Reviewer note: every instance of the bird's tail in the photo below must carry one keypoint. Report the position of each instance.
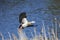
(32, 21)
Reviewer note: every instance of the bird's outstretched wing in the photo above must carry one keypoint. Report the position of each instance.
(22, 16)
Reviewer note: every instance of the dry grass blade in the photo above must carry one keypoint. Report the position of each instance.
(14, 37)
(2, 36)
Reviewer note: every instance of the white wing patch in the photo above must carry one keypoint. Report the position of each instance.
(24, 20)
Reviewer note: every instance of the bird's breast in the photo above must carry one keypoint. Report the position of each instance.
(24, 25)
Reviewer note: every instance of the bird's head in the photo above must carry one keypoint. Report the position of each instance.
(20, 27)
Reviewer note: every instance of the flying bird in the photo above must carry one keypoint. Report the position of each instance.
(24, 22)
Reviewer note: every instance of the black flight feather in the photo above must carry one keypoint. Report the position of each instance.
(21, 16)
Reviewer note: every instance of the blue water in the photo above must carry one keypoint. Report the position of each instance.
(36, 10)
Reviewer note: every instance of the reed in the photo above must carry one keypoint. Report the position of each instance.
(22, 36)
(43, 36)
